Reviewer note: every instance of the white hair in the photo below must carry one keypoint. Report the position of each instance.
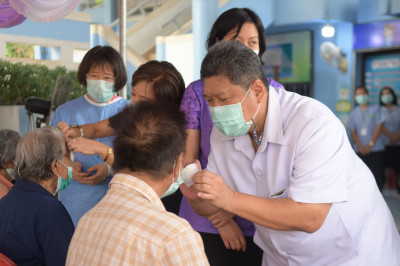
(36, 151)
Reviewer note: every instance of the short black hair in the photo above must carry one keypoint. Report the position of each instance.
(99, 56)
(232, 18)
(150, 136)
(235, 61)
(394, 101)
(362, 87)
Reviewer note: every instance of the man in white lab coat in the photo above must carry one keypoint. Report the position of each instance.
(284, 162)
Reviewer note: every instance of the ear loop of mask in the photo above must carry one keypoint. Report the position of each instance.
(251, 120)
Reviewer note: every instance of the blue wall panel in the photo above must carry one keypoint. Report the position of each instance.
(63, 29)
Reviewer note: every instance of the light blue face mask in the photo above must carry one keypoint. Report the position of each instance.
(387, 98)
(174, 186)
(100, 90)
(229, 118)
(10, 172)
(362, 99)
(61, 182)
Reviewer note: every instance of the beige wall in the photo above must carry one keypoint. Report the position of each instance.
(66, 47)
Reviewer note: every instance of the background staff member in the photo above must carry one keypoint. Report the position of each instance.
(366, 123)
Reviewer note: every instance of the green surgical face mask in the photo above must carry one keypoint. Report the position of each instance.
(362, 99)
(62, 183)
(229, 119)
(100, 90)
(387, 98)
(10, 172)
(174, 186)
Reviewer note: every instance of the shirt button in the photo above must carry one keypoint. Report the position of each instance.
(284, 254)
(259, 174)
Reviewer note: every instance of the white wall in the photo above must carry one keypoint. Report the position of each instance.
(14, 117)
(178, 50)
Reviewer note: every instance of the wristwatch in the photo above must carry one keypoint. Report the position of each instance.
(109, 151)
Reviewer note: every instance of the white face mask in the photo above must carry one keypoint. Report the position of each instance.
(257, 51)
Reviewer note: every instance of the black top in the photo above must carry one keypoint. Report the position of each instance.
(35, 228)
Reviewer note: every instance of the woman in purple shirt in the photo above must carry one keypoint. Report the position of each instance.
(220, 233)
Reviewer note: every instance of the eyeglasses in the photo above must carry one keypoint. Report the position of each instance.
(97, 76)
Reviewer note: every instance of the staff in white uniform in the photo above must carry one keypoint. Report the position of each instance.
(284, 162)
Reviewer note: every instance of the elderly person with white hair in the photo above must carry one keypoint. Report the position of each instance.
(35, 228)
(8, 144)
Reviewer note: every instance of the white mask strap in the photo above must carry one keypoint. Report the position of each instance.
(246, 94)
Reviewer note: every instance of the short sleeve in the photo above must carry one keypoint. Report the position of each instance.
(212, 165)
(191, 106)
(352, 123)
(321, 163)
(55, 118)
(381, 117)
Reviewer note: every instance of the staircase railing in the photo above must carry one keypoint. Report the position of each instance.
(142, 6)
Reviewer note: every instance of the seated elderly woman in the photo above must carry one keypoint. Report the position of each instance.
(8, 144)
(35, 228)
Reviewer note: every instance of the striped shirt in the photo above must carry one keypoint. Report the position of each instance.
(130, 226)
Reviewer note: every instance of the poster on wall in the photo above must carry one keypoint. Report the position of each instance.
(382, 70)
(376, 35)
(288, 57)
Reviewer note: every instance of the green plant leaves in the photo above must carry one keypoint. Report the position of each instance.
(19, 81)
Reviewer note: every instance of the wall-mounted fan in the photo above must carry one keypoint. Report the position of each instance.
(334, 56)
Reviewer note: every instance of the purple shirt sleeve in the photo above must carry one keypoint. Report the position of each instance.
(190, 105)
(275, 84)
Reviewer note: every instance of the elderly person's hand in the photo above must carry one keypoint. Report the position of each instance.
(77, 173)
(101, 174)
(232, 236)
